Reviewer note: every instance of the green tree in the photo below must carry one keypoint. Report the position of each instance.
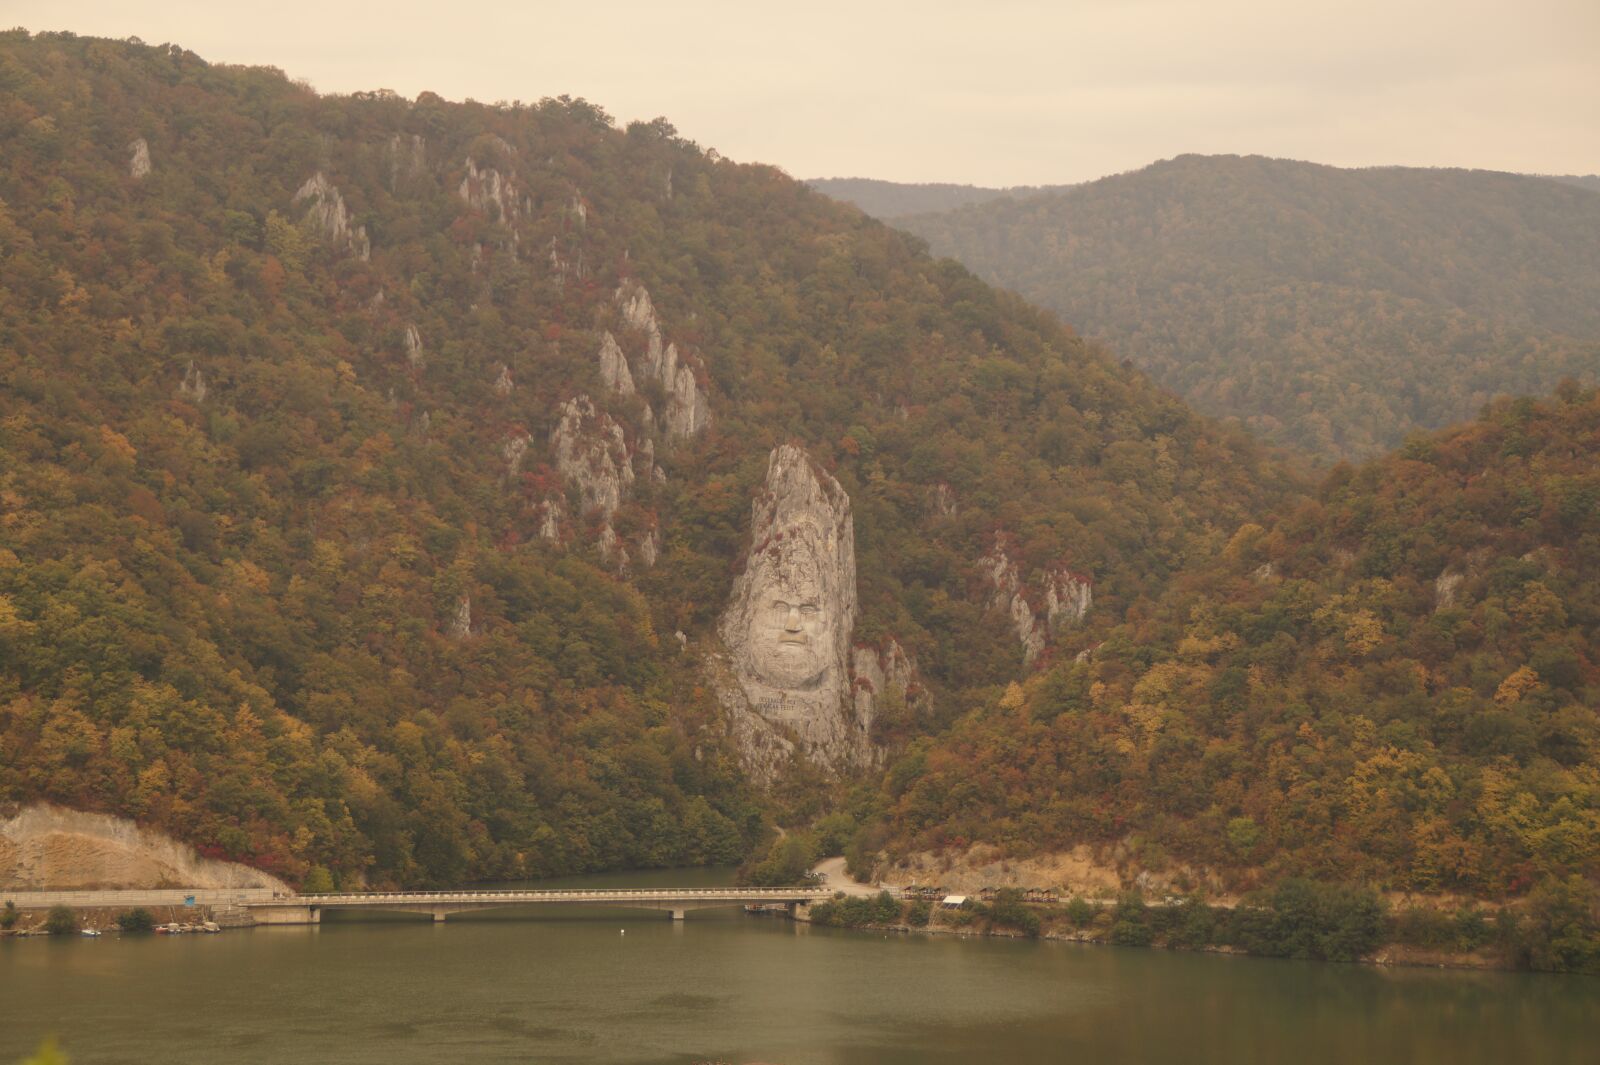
(61, 921)
(136, 920)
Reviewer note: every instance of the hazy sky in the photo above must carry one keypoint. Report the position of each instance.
(993, 92)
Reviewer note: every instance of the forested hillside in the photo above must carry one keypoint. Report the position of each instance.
(893, 199)
(1397, 682)
(330, 537)
(1334, 310)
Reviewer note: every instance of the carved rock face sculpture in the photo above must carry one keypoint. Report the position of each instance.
(788, 624)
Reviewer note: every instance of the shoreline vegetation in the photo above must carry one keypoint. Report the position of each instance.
(1552, 931)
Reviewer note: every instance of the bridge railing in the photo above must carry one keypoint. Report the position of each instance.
(553, 895)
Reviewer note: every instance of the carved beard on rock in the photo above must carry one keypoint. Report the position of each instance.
(790, 639)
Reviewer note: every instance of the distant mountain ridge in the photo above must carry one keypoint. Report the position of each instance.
(1335, 310)
(893, 199)
(1582, 181)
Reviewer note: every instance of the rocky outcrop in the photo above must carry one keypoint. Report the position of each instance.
(942, 500)
(881, 677)
(638, 312)
(461, 620)
(193, 386)
(413, 346)
(139, 159)
(565, 266)
(687, 411)
(513, 451)
(503, 385)
(787, 627)
(647, 461)
(610, 547)
(1066, 596)
(49, 848)
(1446, 589)
(592, 453)
(650, 548)
(1007, 595)
(328, 216)
(550, 514)
(491, 192)
(614, 367)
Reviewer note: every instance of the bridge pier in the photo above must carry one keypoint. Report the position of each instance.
(677, 915)
(287, 914)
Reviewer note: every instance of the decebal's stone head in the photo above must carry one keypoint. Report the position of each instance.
(789, 621)
(790, 628)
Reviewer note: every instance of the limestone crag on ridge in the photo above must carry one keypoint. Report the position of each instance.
(614, 367)
(1000, 570)
(1067, 597)
(327, 214)
(687, 411)
(139, 159)
(592, 452)
(491, 192)
(881, 676)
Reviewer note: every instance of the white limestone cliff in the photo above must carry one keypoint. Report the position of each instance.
(503, 385)
(614, 367)
(638, 312)
(326, 213)
(880, 676)
(461, 621)
(551, 513)
(687, 411)
(139, 159)
(592, 452)
(1007, 595)
(650, 547)
(413, 343)
(513, 451)
(1067, 597)
(193, 386)
(611, 549)
(785, 681)
(491, 192)
(1446, 588)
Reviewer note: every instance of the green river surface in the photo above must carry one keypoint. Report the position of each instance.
(564, 985)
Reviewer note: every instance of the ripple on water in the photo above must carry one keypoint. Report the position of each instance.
(682, 1000)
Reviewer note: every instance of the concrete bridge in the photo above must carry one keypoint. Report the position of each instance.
(308, 909)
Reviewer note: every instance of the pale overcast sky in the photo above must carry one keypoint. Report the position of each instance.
(995, 92)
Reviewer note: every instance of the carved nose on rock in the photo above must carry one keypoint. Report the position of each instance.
(791, 620)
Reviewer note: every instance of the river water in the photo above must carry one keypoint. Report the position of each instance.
(566, 985)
